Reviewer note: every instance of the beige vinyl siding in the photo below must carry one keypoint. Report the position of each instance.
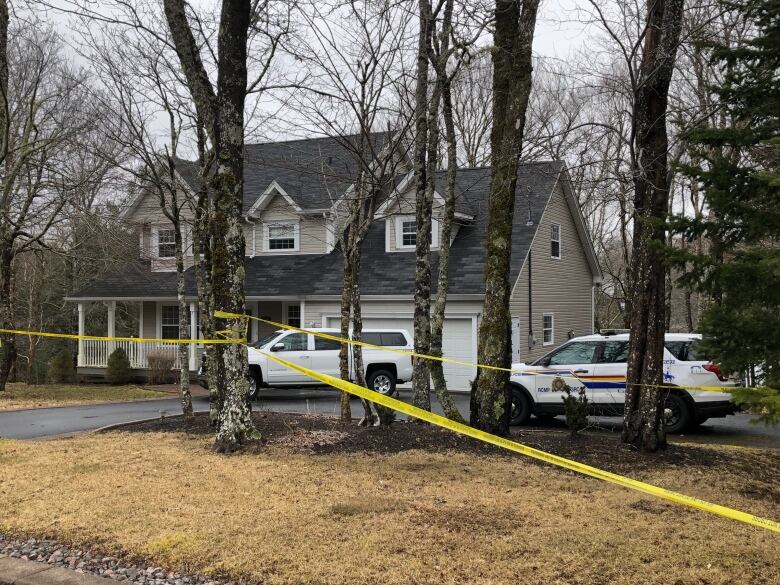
(562, 287)
(404, 206)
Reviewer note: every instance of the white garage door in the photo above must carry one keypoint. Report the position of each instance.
(459, 343)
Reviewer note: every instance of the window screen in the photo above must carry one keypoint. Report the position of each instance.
(166, 243)
(409, 232)
(281, 237)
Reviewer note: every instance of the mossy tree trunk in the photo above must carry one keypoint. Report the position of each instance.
(513, 38)
(223, 115)
(643, 424)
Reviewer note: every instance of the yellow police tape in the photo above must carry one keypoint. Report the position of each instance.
(446, 360)
(227, 339)
(446, 423)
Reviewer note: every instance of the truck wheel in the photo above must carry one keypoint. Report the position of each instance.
(255, 379)
(521, 407)
(677, 413)
(381, 381)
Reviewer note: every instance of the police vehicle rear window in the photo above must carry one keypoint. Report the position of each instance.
(385, 339)
(687, 351)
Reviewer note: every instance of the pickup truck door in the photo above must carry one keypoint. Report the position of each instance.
(325, 357)
(295, 350)
(575, 361)
(609, 385)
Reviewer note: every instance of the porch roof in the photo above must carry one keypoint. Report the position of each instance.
(382, 272)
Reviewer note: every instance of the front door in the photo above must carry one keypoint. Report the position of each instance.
(325, 357)
(296, 350)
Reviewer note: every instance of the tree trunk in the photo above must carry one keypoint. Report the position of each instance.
(442, 284)
(223, 117)
(643, 424)
(184, 368)
(421, 378)
(8, 352)
(513, 39)
(369, 418)
(346, 308)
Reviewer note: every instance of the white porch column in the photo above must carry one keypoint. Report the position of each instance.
(193, 335)
(141, 319)
(80, 359)
(111, 305)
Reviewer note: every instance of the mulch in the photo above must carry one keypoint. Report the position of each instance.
(316, 434)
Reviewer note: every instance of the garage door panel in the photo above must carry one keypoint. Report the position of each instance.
(458, 344)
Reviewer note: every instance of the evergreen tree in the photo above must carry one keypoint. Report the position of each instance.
(737, 163)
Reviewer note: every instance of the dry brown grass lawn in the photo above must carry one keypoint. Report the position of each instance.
(277, 516)
(43, 395)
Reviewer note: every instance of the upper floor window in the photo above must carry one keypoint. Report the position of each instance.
(166, 243)
(406, 232)
(282, 237)
(555, 240)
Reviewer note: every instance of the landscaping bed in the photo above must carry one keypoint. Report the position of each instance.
(19, 395)
(323, 502)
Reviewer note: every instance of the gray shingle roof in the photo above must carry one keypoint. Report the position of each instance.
(313, 171)
(382, 273)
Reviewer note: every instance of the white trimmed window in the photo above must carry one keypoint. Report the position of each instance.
(406, 232)
(169, 322)
(555, 240)
(166, 243)
(548, 335)
(294, 315)
(282, 237)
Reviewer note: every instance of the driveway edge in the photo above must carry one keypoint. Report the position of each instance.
(20, 572)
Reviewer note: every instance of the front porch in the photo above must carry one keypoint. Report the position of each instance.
(159, 320)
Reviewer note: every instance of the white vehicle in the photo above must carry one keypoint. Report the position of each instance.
(598, 362)
(383, 369)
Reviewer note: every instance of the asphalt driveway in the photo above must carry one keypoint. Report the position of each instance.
(44, 423)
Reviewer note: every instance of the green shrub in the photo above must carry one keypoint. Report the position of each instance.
(61, 367)
(118, 367)
(763, 402)
(161, 366)
(574, 405)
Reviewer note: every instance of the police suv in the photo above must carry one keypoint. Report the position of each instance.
(598, 364)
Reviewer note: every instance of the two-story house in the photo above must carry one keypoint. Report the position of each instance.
(294, 267)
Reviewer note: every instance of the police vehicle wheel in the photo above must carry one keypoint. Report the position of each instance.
(521, 407)
(677, 413)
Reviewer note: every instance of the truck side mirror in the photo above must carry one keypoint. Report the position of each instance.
(277, 347)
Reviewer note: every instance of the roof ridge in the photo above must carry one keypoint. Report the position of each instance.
(310, 139)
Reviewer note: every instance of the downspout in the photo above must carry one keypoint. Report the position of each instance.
(530, 305)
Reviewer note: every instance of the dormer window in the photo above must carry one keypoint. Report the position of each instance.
(282, 237)
(406, 232)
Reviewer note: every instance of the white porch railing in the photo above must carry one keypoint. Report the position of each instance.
(95, 352)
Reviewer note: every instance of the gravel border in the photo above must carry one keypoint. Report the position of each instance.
(92, 562)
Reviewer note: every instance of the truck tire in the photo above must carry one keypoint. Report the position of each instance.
(255, 380)
(521, 407)
(677, 413)
(381, 381)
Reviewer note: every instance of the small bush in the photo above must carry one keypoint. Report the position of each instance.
(161, 366)
(763, 402)
(118, 367)
(574, 405)
(61, 367)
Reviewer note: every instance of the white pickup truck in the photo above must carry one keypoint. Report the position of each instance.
(384, 369)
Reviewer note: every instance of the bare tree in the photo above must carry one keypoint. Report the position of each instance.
(515, 22)
(355, 74)
(44, 119)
